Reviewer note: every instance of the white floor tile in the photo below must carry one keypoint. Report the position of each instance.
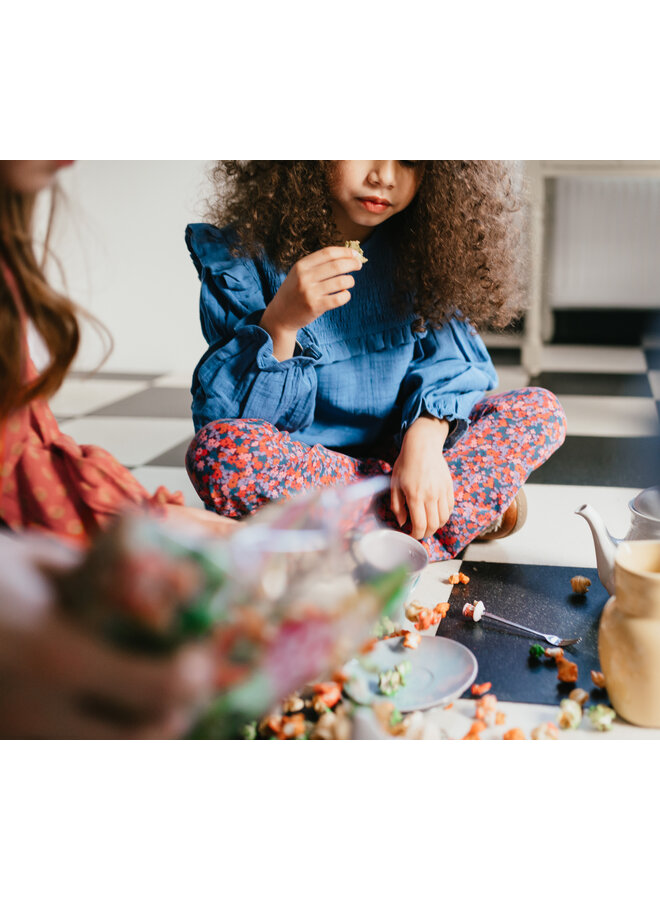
(172, 477)
(654, 378)
(553, 535)
(133, 441)
(578, 358)
(431, 589)
(610, 416)
(511, 378)
(78, 397)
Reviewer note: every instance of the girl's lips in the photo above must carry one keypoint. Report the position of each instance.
(373, 205)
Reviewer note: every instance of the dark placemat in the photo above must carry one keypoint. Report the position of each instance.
(537, 596)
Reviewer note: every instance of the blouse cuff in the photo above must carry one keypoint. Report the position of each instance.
(305, 354)
(458, 425)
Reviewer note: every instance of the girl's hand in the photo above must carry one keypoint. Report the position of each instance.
(57, 681)
(315, 284)
(421, 485)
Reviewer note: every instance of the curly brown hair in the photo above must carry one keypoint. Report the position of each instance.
(460, 249)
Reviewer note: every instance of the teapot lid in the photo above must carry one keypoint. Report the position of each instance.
(648, 503)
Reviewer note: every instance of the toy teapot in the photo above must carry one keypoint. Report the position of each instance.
(644, 525)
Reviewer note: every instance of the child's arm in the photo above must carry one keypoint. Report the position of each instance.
(450, 372)
(240, 376)
(421, 484)
(315, 284)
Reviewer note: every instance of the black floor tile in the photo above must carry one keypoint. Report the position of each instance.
(653, 357)
(155, 402)
(606, 461)
(541, 598)
(175, 456)
(599, 384)
(505, 356)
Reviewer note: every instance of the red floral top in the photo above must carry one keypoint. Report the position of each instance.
(50, 483)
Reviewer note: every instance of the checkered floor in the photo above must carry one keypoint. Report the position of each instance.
(611, 396)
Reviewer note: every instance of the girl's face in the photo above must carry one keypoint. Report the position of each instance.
(27, 176)
(366, 192)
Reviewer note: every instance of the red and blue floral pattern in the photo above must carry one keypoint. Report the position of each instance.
(237, 465)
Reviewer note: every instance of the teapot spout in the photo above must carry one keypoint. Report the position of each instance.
(605, 545)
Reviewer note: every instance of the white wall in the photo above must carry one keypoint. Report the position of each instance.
(120, 240)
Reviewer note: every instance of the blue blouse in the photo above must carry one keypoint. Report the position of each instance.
(360, 374)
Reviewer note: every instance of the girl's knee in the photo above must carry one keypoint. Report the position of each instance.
(546, 410)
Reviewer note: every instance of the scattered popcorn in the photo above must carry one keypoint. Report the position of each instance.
(566, 671)
(579, 696)
(327, 692)
(423, 617)
(601, 717)
(458, 577)
(391, 680)
(486, 709)
(412, 641)
(474, 733)
(570, 714)
(547, 731)
(479, 689)
(580, 584)
(413, 609)
(553, 652)
(515, 734)
(598, 679)
(500, 718)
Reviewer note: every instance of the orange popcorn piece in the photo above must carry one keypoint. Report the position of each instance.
(566, 670)
(328, 692)
(486, 709)
(473, 733)
(412, 641)
(514, 734)
(464, 579)
(598, 678)
(292, 727)
(453, 579)
(479, 689)
(500, 718)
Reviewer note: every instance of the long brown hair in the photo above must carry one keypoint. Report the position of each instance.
(459, 243)
(54, 315)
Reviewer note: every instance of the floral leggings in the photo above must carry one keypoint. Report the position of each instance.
(237, 465)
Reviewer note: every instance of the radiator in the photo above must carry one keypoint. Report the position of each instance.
(603, 242)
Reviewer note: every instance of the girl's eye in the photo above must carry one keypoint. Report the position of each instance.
(409, 163)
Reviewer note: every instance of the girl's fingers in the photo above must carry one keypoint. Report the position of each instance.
(35, 711)
(432, 518)
(76, 661)
(398, 505)
(417, 512)
(328, 255)
(334, 285)
(336, 267)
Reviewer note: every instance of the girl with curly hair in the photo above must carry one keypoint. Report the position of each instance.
(324, 367)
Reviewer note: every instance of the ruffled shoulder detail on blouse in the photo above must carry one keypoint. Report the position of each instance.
(231, 288)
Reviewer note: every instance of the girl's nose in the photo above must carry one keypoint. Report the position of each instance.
(382, 172)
